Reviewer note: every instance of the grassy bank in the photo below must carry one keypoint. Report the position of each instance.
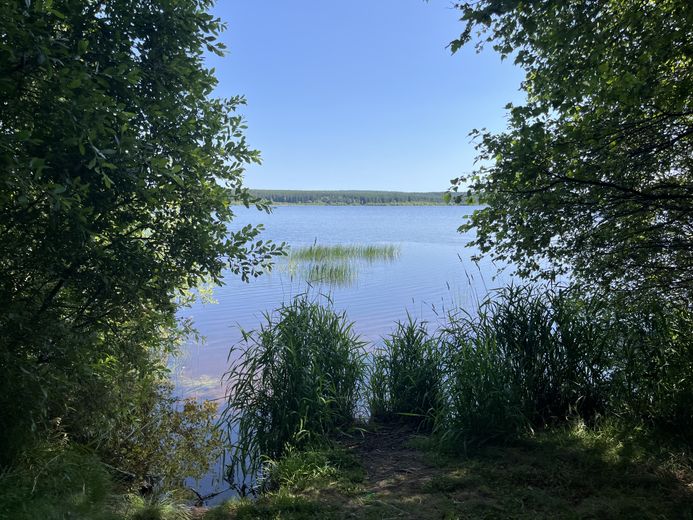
(390, 471)
(541, 404)
(394, 471)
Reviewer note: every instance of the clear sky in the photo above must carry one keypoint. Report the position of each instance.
(359, 94)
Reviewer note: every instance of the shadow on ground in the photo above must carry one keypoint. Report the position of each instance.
(554, 475)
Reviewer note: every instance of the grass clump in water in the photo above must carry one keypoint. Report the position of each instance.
(338, 274)
(345, 252)
(296, 383)
(336, 264)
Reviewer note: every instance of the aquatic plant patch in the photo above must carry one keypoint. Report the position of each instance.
(336, 264)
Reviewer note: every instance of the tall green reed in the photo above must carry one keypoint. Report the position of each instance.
(528, 357)
(405, 377)
(296, 381)
(531, 356)
(344, 252)
(653, 373)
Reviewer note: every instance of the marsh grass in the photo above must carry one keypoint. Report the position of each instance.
(295, 383)
(336, 273)
(336, 264)
(534, 357)
(345, 252)
(405, 380)
(530, 357)
(549, 395)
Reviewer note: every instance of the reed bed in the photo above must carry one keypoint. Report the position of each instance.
(336, 264)
(345, 252)
(405, 382)
(342, 273)
(295, 383)
(529, 358)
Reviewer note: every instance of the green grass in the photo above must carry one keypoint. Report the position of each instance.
(61, 481)
(308, 484)
(296, 381)
(336, 264)
(532, 357)
(566, 473)
(273, 506)
(165, 506)
(520, 395)
(55, 481)
(405, 380)
(344, 252)
(300, 470)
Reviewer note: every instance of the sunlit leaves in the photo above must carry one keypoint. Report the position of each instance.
(118, 177)
(593, 176)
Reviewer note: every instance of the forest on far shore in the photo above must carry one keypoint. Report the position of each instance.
(350, 197)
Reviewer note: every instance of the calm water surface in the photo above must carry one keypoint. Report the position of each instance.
(434, 273)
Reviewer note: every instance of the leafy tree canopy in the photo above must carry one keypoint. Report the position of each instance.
(594, 174)
(118, 175)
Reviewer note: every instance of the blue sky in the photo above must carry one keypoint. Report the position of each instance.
(359, 94)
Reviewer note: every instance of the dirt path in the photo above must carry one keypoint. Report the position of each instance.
(398, 477)
(389, 460)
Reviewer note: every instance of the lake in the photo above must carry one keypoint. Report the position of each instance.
(433, 273)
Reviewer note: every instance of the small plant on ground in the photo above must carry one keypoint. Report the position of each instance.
(311, 483)
(165, 506)
(328, 465)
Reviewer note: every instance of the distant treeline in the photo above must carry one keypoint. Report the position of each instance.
(351, 197)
